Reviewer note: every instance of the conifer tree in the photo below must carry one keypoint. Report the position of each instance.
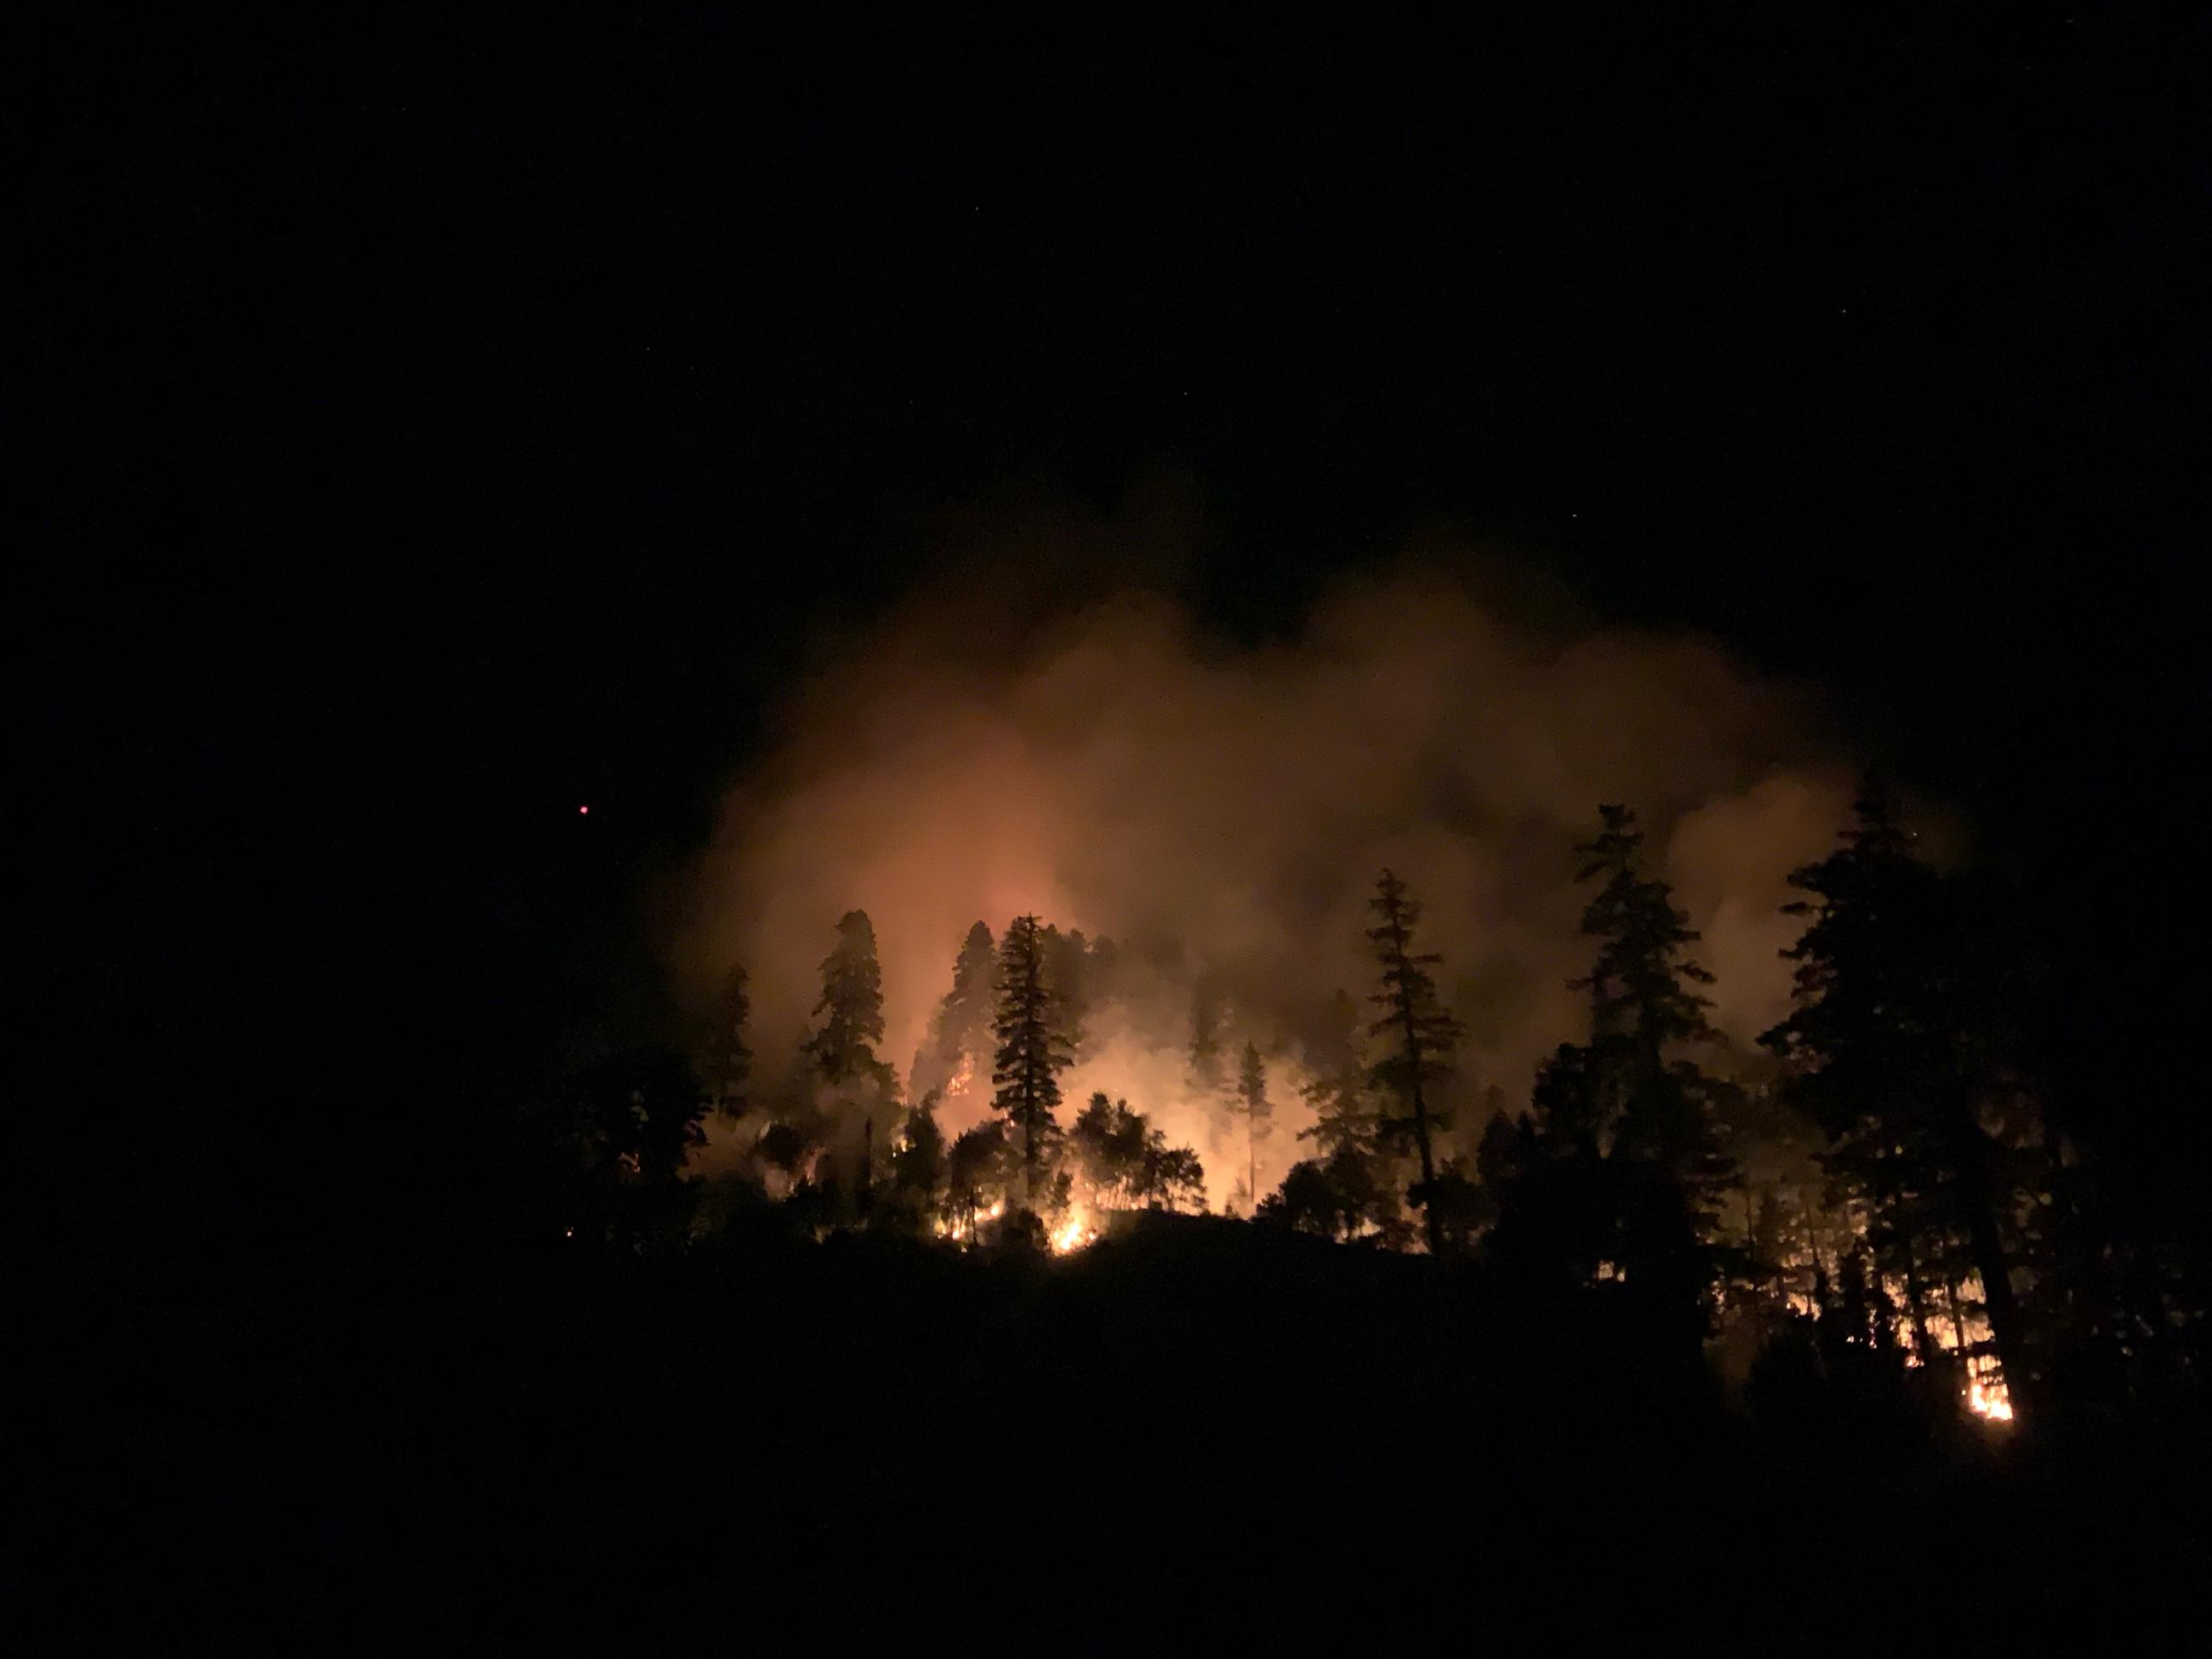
(1643, 1009)
(852, 1005)
(1616, 1171)
(856, 1088)
(1882, 1057)
(1419, 1033)
(1252, 1105)
(956, 1057)
(1032, 1050)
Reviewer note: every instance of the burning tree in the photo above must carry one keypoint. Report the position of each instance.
(956, 1057)
(1881, 1059)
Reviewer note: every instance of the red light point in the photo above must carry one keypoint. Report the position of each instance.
(581, 811)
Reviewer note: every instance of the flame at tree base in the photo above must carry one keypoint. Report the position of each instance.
(1073, 1233)
(1989, 1400)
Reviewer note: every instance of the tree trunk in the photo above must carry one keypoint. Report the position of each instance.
(1916, 1299)
(1028, 1151)
(1986, 1243)
(1421, 1134)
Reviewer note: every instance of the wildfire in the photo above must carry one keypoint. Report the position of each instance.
(960, 1231)
(1073, 1233)
(1960, 1330)
(1989, 1400)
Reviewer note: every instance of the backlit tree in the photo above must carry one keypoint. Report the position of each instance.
(1253, 1106)
(1418, 1034)
(1882, 1055)
(1032, 1050)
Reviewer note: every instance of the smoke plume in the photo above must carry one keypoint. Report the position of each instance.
(1221, 812)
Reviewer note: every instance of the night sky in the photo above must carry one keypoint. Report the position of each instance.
(444, 430)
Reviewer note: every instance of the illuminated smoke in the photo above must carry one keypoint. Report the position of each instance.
(1223, 810)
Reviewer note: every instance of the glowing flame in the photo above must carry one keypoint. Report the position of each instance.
(1073, 1233)
(960, 1231)
(1989, 1400)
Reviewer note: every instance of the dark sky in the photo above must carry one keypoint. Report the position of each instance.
(446, 428)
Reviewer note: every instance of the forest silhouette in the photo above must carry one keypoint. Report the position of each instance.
(1807, 1342)
(929, 838)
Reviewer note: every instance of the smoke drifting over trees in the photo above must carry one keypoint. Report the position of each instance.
(1217, 810)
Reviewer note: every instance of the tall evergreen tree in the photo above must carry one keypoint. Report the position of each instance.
(1421, 1034)
(1616, 1172)
(1032, 1050)
(729, 1062)
(1643, 1010)
(852, 1007)
(856, 1088)
(1257, 1111)
(956, 1057)
(1882, 1057)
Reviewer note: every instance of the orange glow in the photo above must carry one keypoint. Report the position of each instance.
(1073, 1233)
(1989, 1400)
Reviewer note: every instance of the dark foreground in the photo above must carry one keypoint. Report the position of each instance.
(1194, 1436)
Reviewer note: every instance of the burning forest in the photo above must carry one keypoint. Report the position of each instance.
(1793, 1123)
(1097, 834)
